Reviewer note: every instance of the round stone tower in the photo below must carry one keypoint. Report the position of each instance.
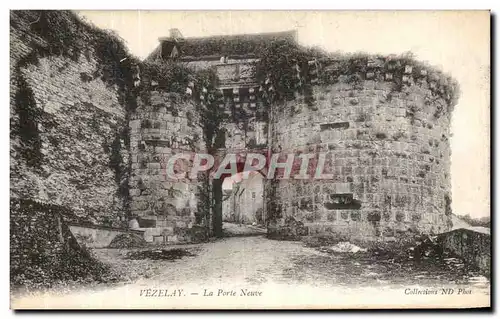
(385, 127)
(160, 128)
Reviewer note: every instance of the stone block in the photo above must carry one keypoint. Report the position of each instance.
(168, 231)
(134, 192)
(148, 237)
(135, 124)
(172, 239)
(139, 205)
(161, 223)
(151, 232)
(180, 224)
(158, 239)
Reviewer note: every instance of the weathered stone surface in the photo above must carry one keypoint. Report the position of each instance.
(472, 246)
(388, 150)
(159, 195)
(291, 229)
(84, 159)
(384, 157)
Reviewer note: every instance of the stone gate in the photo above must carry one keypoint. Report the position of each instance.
(384, 125)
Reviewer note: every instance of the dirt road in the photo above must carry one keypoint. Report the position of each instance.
(284, 273)
(241, 259)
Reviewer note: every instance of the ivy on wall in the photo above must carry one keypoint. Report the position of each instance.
(116, 164)
(163, 76)
(43, 250)
(200, 87)
(447, 202)
(283, 66)
(212, 117)
(274, 210)
(27, 127)
(243, 46)
(65, 34)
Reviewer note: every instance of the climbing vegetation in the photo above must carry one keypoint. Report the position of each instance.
(286, 68)
(65, 34)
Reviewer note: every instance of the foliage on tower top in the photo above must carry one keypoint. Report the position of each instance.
(285, 65)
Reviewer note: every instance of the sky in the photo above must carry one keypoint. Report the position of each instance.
(458, 42)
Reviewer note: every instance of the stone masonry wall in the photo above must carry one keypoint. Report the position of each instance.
(165, 125)
(76, 142)
(388, 151)
(83, 158)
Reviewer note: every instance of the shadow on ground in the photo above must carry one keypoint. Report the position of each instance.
(159, 254)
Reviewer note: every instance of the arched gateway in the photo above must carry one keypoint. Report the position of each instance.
(377, 127)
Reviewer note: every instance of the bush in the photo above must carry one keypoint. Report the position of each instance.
(129, 240)
(43, 252)
(169, 77)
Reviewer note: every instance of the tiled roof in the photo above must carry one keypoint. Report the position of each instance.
(231, 45)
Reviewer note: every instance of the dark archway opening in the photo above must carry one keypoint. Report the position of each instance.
(238, 200)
